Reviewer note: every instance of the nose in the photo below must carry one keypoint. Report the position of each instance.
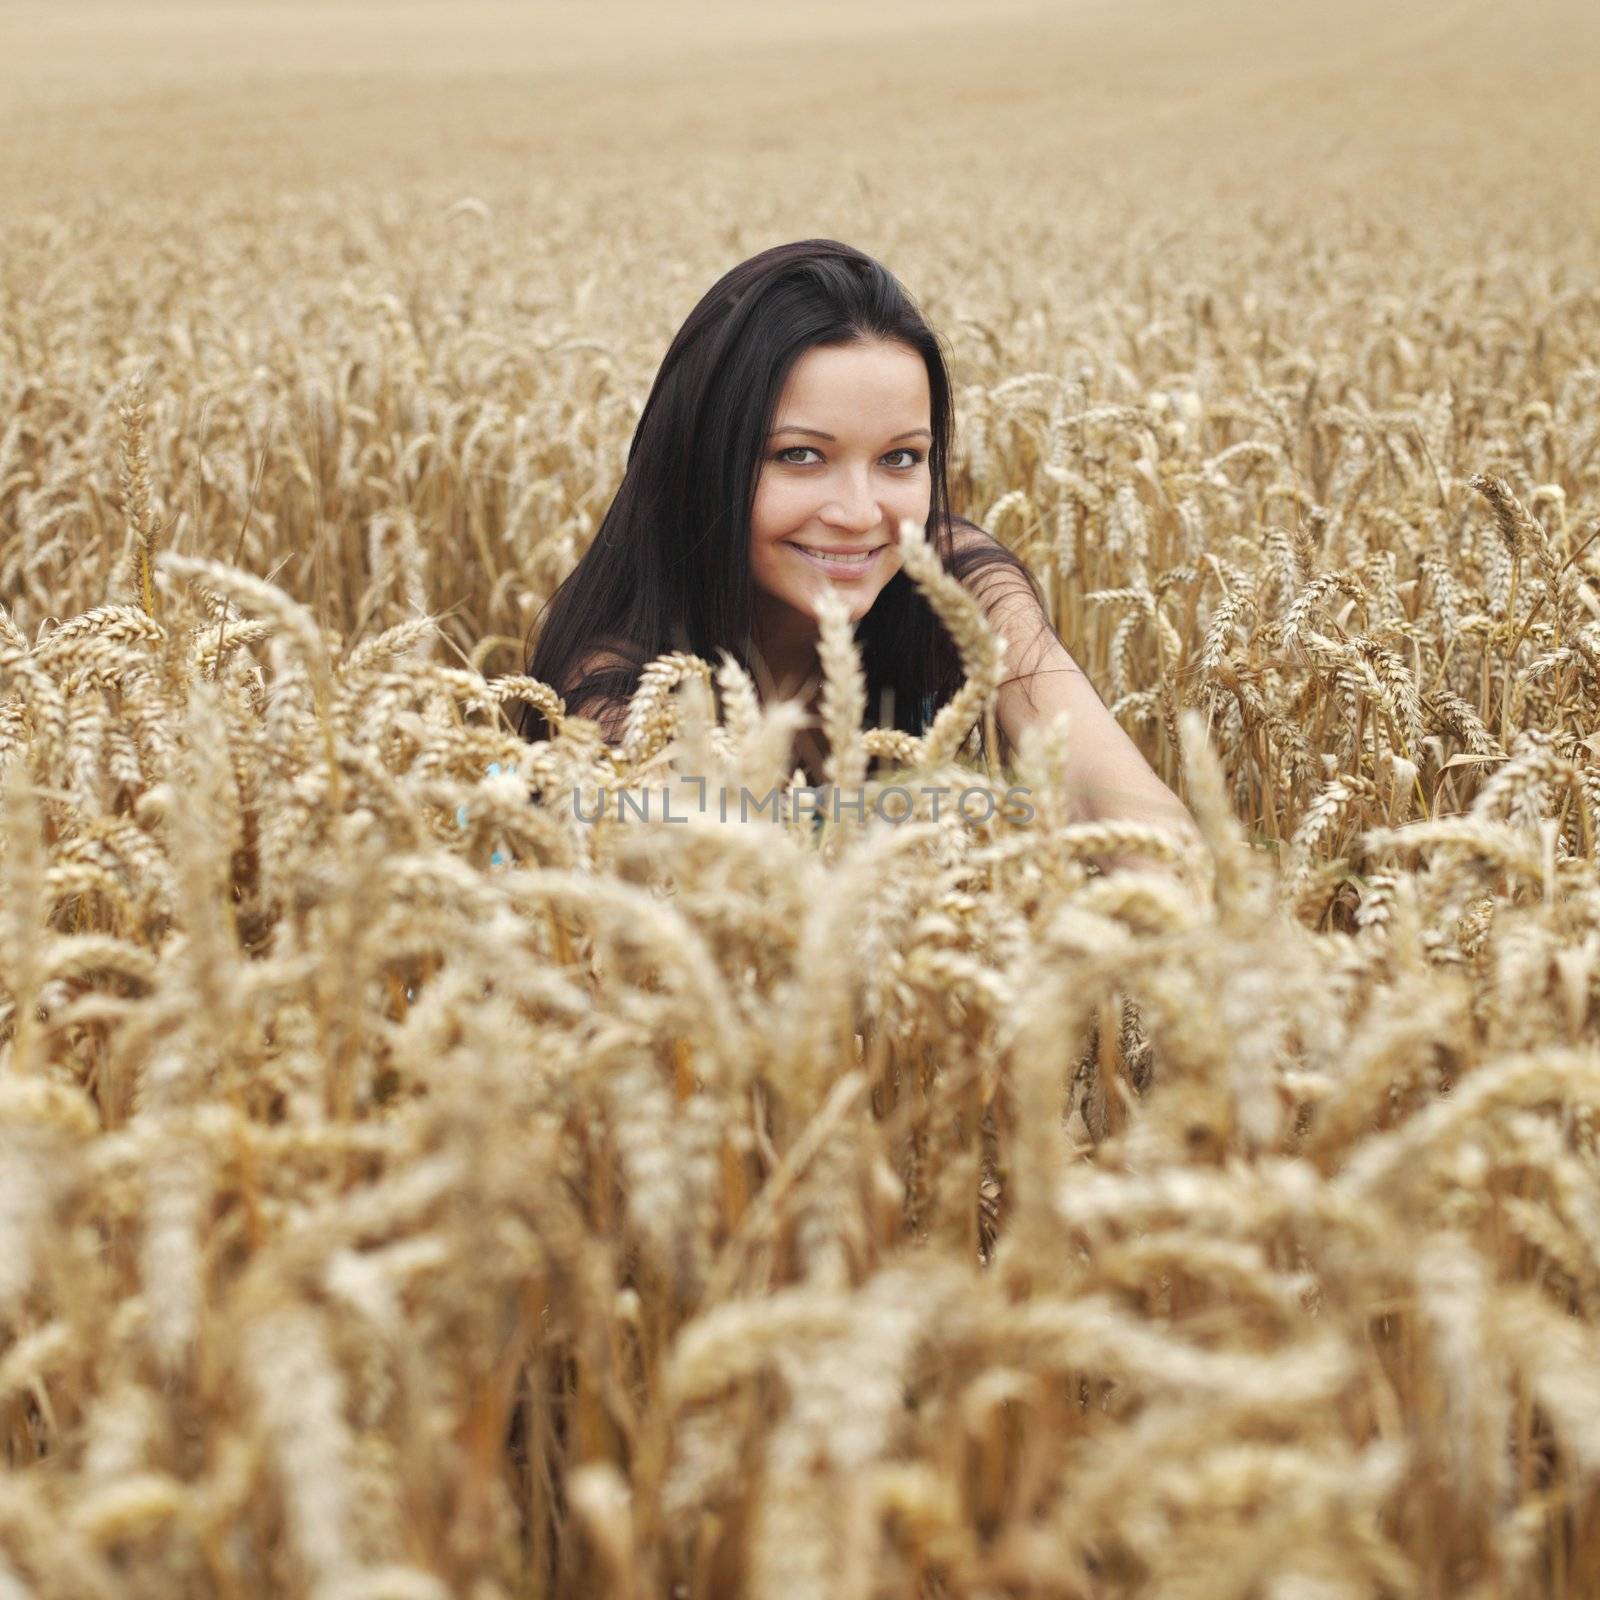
(854, 509)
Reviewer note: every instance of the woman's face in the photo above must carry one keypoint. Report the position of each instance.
(846, 460)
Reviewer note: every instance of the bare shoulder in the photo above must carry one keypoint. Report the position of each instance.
(968, 539)
(965, 535)
(1004, 586)
(599, 655)
(601, 704)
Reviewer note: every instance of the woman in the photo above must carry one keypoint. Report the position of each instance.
(801, 411)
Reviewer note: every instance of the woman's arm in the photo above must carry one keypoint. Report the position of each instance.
(1106, 778)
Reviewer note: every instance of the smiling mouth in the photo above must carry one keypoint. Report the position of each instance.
(840, 566)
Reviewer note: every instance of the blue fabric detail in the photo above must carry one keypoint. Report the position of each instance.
(497, 857)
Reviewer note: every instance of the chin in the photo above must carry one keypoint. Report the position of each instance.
(857, 604)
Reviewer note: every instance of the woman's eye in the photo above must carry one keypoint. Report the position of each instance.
(801, 449)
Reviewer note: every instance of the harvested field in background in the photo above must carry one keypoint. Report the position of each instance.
(412, 1191)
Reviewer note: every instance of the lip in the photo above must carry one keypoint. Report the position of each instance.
(841, 569)
(845, 550)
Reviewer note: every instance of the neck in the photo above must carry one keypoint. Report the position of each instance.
(785, 653)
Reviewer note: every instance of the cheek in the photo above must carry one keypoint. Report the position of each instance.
(777, 508)
(912, 497)
(769, 524)
(913, 502)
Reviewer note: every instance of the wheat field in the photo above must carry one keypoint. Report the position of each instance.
(411, 1190)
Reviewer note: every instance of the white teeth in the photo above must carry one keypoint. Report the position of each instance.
(838, 560)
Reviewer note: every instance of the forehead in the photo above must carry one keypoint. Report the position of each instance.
(880, 381)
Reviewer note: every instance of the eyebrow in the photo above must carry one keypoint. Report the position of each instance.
(817, 433)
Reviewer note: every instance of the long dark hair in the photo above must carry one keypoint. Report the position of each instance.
(669, 567)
